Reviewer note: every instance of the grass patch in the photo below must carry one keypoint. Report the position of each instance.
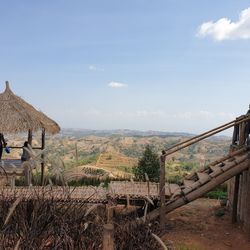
(185, 247)
(218, 193)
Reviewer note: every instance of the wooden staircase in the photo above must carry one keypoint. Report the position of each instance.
(208, 177)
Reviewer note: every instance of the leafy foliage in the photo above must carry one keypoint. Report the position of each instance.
(149, 164)
(218, 193)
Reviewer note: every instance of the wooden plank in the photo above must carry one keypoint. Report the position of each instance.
(174, 188)
(216, 168)
(203, 177)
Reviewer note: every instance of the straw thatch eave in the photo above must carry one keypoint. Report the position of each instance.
(18, 116)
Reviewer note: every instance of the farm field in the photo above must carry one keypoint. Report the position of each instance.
(116, 154)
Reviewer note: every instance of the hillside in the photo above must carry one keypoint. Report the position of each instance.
(119, 153)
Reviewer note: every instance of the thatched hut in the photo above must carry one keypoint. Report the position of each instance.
(17, 116)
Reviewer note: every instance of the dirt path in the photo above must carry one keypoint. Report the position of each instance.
(195, 227)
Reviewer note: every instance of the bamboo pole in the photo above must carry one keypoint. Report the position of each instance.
(203, 136)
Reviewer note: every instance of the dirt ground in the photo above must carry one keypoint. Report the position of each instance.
(195, 226)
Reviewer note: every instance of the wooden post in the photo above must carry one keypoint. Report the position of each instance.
(147, 180)
(30, 136)
(76, 149)
(235, 135)
(27, 173)
(235, 198)
(162, 191)
(13, 181)
(110, 214)
(242, 134)
(42, 157)
(247, 207)
(108, 237)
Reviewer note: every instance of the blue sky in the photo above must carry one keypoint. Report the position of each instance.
(170, 65)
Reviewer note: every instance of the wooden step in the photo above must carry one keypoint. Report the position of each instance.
(195, 185)
(216, 168)
(188, 183)
(172, 189)
(203, 177)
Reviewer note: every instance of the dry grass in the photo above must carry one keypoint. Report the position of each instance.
(47, 224)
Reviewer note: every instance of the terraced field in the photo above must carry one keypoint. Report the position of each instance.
(116, 163)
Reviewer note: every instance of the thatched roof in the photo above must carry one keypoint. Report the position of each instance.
(17, 116)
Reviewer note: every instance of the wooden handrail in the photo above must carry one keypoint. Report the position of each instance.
(205, 135)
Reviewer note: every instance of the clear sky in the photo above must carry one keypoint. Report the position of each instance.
(171, 65)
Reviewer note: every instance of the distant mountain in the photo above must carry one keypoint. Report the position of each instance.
(75, 132)
(121, 132)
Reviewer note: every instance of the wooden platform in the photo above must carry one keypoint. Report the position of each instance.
(117, 191)
(11, 166)
(123, 189)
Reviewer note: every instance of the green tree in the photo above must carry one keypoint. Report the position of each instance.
(149, 164)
